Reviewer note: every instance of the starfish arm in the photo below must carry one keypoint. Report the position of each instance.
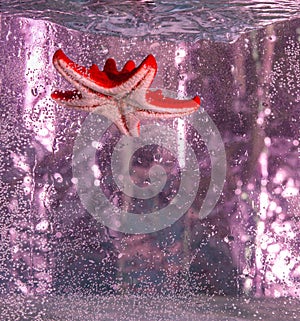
(108, 82)
(155, 103)
(142, 79)
(74, 99)
(64, 67)
(119, 120)
(133, 124)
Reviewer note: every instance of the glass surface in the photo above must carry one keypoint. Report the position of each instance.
(195, 219)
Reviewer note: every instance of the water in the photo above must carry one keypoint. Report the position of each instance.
(188, 20)
(197, 219)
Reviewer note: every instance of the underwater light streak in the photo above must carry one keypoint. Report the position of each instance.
(35, 95)
(180, 55)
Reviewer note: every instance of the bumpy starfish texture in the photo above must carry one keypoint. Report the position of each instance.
(124, 97)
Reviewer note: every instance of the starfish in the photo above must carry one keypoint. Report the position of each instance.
(124, 97)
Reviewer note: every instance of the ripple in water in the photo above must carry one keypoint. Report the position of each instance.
(187, 20)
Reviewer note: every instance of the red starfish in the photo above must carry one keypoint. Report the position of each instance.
(122, 96)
